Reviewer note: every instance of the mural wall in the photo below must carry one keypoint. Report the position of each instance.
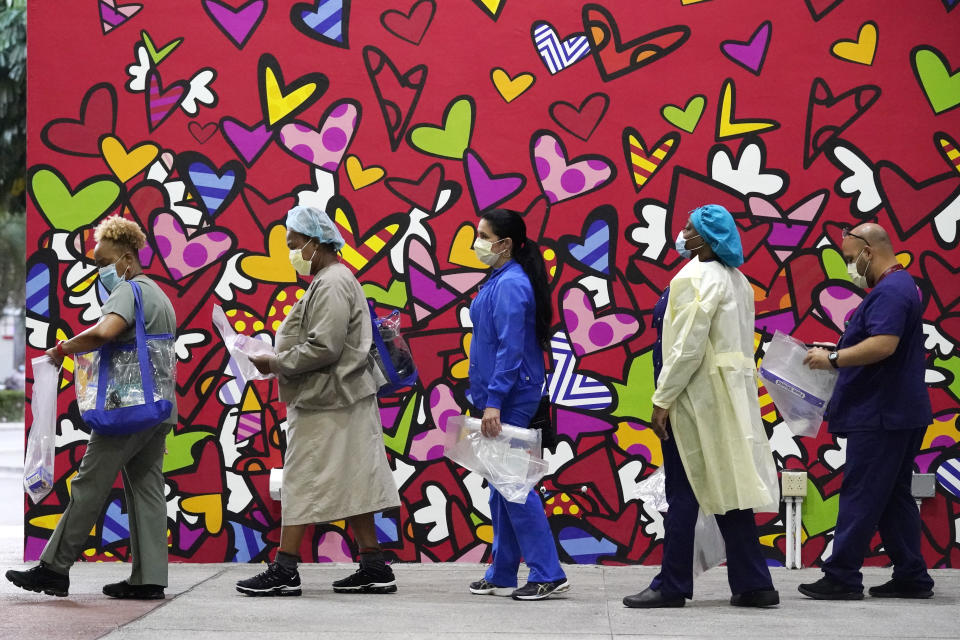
(605, 123)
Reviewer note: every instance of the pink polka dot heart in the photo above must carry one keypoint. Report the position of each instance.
(562, 180)
(181, 255)
(589, 332)
(324, 148)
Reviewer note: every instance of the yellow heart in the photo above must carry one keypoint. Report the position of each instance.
(461, 251)
(275, 266)
(492, 6)
(511, 88)
(861, 51)
(280, 105)
(210, 506)
(361, 177)
(126, 164)
(727, 128)
(461, 369)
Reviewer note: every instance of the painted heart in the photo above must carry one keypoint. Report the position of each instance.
(486, 189)
(789, 231)
(361, 252)
(750, 54)
(451, 139)
(69, 209)
(162, 102)
(182, 255)
(948, 148)
(145, 198)
(947, 277)
(394, 296)
(593, 250)
(820, 8)
(511, 88)
(727, 127)
(430, 291)
(940, 84)
(158, 55)
(239, 23)
(687, 118)
(275, 266)
(326, 21)
(828, 116)
(265, 211)
(126, 164)
(582, 121)
(644, 162)
(562, 180)
(397, 94)
(215, 188)
(280, 101)
(249, 142)
(569, 388)
(558, 54)
(423, 192)
(589, 332)
(112, 16)
(614, 57)
(98, 117)
(583, 547)
(461, 249)
(410, 26)
(838, 302)
(491, 7)
(361, 176)
(911, 204)
(323, 148)
(209, 506)
(860, 50)
(819, 514)
(201, 132)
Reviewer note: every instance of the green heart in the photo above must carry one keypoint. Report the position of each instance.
(395, 296)
(633, 397)
(398, 441)
(452, 139)
(69, 210)
(940, 86)
(158, 56)
(687, 118)
(833, 265)
(953, 366)
(180, 449)
(819, 515)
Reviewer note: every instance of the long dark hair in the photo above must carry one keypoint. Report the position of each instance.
(509, 224)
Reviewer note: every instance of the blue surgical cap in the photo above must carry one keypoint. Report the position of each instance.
(316, 224)
(716, 226)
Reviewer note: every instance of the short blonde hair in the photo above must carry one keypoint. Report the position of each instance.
(119, 230)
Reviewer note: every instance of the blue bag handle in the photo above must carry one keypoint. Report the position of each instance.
(394, 381)
(146, 375)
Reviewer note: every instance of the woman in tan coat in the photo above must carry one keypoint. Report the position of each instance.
(335, 465)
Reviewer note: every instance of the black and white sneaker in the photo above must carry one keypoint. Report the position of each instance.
(483, 588)
(541, 590)
(368, 580)
(275, 581)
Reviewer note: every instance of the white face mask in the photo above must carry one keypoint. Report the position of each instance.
(681, 245)
(485, 254)
(109, 277)
(858, 279)
(300, 264)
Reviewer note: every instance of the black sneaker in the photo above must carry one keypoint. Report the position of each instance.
(541, 590)
(275, 581)
(126, 591)
(483, 588)
(41, 579)
(894, 589)
(368, 580)
(827, 589)
(758, 598)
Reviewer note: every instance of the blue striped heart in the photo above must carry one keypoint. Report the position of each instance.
(248, 542)
(949, 476)
(569, 388)
(38, 290)
(387, 530)
(116, 524)
(584, 548)
(557, 54)
(323, 20)
(594, 252)
(212, 188)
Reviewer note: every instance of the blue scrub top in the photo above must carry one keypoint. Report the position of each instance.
(659, 311)
(506, 360)
(890, 394)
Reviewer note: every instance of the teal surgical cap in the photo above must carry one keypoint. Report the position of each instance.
(314, 223)
(716, 226)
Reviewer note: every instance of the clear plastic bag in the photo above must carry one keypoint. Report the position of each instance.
(394, 347)
(241, 347)
(41, 444)
(124, 384)
(511, 462)
(799, 392)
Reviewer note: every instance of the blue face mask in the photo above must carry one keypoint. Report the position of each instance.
(681, 246)
(109, 277)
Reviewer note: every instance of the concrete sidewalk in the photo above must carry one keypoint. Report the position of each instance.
(433, 602)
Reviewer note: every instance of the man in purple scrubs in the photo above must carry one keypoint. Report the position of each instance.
(881, 406)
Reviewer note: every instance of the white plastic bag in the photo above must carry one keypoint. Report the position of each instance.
(41, 443)
(799, 392)
(510, 462)
(241, 347)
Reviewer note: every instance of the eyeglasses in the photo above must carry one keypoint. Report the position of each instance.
(847, 231)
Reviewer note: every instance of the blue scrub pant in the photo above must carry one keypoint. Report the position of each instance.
(746, 567)
(521, 530)
(875, 495)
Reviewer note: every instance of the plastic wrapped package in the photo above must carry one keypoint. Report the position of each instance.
(511, 462)
(38, 472)
(124, 384)
(799, 392)
(241, 347)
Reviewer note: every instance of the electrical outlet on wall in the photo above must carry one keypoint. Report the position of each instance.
(793, 483)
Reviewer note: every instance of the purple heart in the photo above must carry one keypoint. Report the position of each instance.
(749, 54)
(237, 24)
(248, 142)
(488, 189)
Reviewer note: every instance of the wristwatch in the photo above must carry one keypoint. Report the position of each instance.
(832, 357)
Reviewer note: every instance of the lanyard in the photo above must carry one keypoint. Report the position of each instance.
(896, 267)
